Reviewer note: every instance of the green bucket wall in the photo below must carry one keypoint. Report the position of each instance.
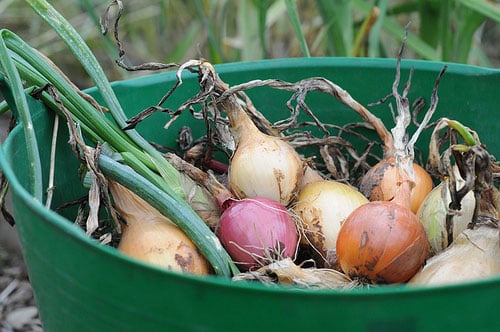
(80, 285)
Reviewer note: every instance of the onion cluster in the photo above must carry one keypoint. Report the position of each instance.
(275, 208)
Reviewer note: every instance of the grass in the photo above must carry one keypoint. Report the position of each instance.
(227, 31)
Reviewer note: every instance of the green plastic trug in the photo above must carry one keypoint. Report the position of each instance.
(83, 286)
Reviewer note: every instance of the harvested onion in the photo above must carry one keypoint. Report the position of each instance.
(257, 231)
(152, 238)
(381, 242)
(322, 207)
(262, 165)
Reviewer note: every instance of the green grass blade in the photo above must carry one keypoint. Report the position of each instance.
(249, 31)
(263, 7)
(467, 27)
(20, 103)
(337, 16)
(430, 17)
(397, 31)
(293, 13)
(485, 8)
(183, 47)
(214, 45)
(374, 38)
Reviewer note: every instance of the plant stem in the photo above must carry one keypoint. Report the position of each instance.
(23, 109)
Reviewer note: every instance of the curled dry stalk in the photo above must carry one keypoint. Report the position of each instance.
(89, 157)
(105, 23)
(475, 165)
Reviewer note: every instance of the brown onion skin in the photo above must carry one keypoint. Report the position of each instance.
(382, 242)
(380, 183)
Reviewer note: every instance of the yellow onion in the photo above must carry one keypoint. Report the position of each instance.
(152, 238)
(432, 214)
(475, 254)
(322, 207)
(380, 183)
(262, 165)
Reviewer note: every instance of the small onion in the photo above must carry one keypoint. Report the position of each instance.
(322, 207)
(152, 238)
(256, 231)
(432, 214)
(380, 183)
(381, 242)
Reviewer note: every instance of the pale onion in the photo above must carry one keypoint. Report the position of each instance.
(474, 255)
(380, 183)
(262, 165)
(432, 214)
(256, 231)
(152, 238)
(322, 207)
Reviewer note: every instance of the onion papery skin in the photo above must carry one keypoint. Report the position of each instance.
(164, 245)
(381, 242)
(322, 207)
(257, 231)
(380, 183)
(265, 166)
(432, 214)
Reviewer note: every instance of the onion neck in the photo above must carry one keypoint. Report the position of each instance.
(241, 124)
(404, 183)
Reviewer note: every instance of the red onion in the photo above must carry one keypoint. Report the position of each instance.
(256, 231)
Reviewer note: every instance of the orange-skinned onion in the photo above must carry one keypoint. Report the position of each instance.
(381, 242)
(380, 183)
